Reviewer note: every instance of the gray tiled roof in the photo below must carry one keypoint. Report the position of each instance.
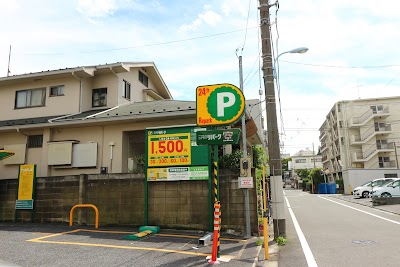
(27, 121)
(149, 107)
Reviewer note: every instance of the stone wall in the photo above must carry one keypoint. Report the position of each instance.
(120, 199)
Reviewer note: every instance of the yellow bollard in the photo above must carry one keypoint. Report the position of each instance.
(350, 191)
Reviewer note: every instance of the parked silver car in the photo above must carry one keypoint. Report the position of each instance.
(364, 190)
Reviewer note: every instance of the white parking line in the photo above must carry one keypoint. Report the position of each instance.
(306, 248)
(366, 212)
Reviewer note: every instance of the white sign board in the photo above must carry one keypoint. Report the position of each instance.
(246, 182)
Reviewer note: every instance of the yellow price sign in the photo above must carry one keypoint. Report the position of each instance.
(26, 176)
(169, 149)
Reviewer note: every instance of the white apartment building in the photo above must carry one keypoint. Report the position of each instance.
(358, 140)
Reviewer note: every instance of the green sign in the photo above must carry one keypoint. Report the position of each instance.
(218, 137)
(178, 173)
(24, 204)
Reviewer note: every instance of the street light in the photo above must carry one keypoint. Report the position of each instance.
(299, 50)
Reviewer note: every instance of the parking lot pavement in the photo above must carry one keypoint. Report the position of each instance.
(59, 245)
(367, 202)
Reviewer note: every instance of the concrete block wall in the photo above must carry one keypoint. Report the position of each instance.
(232, 203)
(120, 200)
(8, 195)
(180, 204)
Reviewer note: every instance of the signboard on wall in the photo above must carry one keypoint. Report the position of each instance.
(175, 146)
(168, 149)
(26, 181)
(178, 173)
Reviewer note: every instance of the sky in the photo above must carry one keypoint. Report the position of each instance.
(353, 48)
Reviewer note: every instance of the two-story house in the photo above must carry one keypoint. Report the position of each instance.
(89, 119)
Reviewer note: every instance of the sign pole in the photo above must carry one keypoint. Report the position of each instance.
(210, 188)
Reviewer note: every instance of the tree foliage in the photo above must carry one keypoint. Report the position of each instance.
(303, 173)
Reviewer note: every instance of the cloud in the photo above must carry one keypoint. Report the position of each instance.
(207, 17)
(96, 8)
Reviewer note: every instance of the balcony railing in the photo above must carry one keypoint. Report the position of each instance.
(369, 114)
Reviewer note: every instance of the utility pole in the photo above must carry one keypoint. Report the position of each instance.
(278, 208)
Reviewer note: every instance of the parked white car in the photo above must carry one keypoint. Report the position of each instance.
(364, 190)
(391, 189)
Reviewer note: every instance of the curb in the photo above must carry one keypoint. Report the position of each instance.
(362, 204)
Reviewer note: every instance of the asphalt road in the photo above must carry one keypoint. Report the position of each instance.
(31, 245)
(338, 233)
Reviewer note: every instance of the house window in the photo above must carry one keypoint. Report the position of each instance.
(99, 97)
(143, 79)
(127, 90)
(57, 90)
(301, 161)
(35, 141)
(30, 98)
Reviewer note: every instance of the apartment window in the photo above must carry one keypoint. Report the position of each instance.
(57, 90)
(377, 109)
(143, 79)
(341, 124)
(35, 141)
(316, 160)
(301, 161)
(30, 98)
(127, 90)
(384, 162)
(339, 108)
(99, 97)
(380, 126)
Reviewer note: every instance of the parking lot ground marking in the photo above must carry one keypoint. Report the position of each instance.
(107, 231)
(120, 247)
(41, 240)
(53, 235)
(195, 237)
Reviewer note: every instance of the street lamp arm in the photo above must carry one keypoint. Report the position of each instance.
(299, 50)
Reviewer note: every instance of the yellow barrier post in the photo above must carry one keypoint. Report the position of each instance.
(265, 221)
(71, 213)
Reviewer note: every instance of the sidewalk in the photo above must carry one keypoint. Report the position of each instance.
(368, 203)
(272, 251)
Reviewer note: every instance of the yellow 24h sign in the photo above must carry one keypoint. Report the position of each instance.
(218, 104)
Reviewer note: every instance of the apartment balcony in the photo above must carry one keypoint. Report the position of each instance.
(385, 165)
(365, 155)
(371, 132)
(324, 159)
(322, 136)
(324, 147)
(367, 116)
(372, 151)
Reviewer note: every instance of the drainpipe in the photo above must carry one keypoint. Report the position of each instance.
(80, 91)
(112, 144)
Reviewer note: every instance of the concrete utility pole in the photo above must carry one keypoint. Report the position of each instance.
(278, 208)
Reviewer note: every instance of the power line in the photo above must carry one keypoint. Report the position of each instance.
(133, 47)
(343, 67)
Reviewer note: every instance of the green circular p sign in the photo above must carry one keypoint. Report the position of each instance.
(219, 104)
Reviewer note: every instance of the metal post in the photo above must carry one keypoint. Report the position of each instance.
(244, 155)
(395, 152)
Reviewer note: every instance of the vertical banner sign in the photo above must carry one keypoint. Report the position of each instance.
(25, 187)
